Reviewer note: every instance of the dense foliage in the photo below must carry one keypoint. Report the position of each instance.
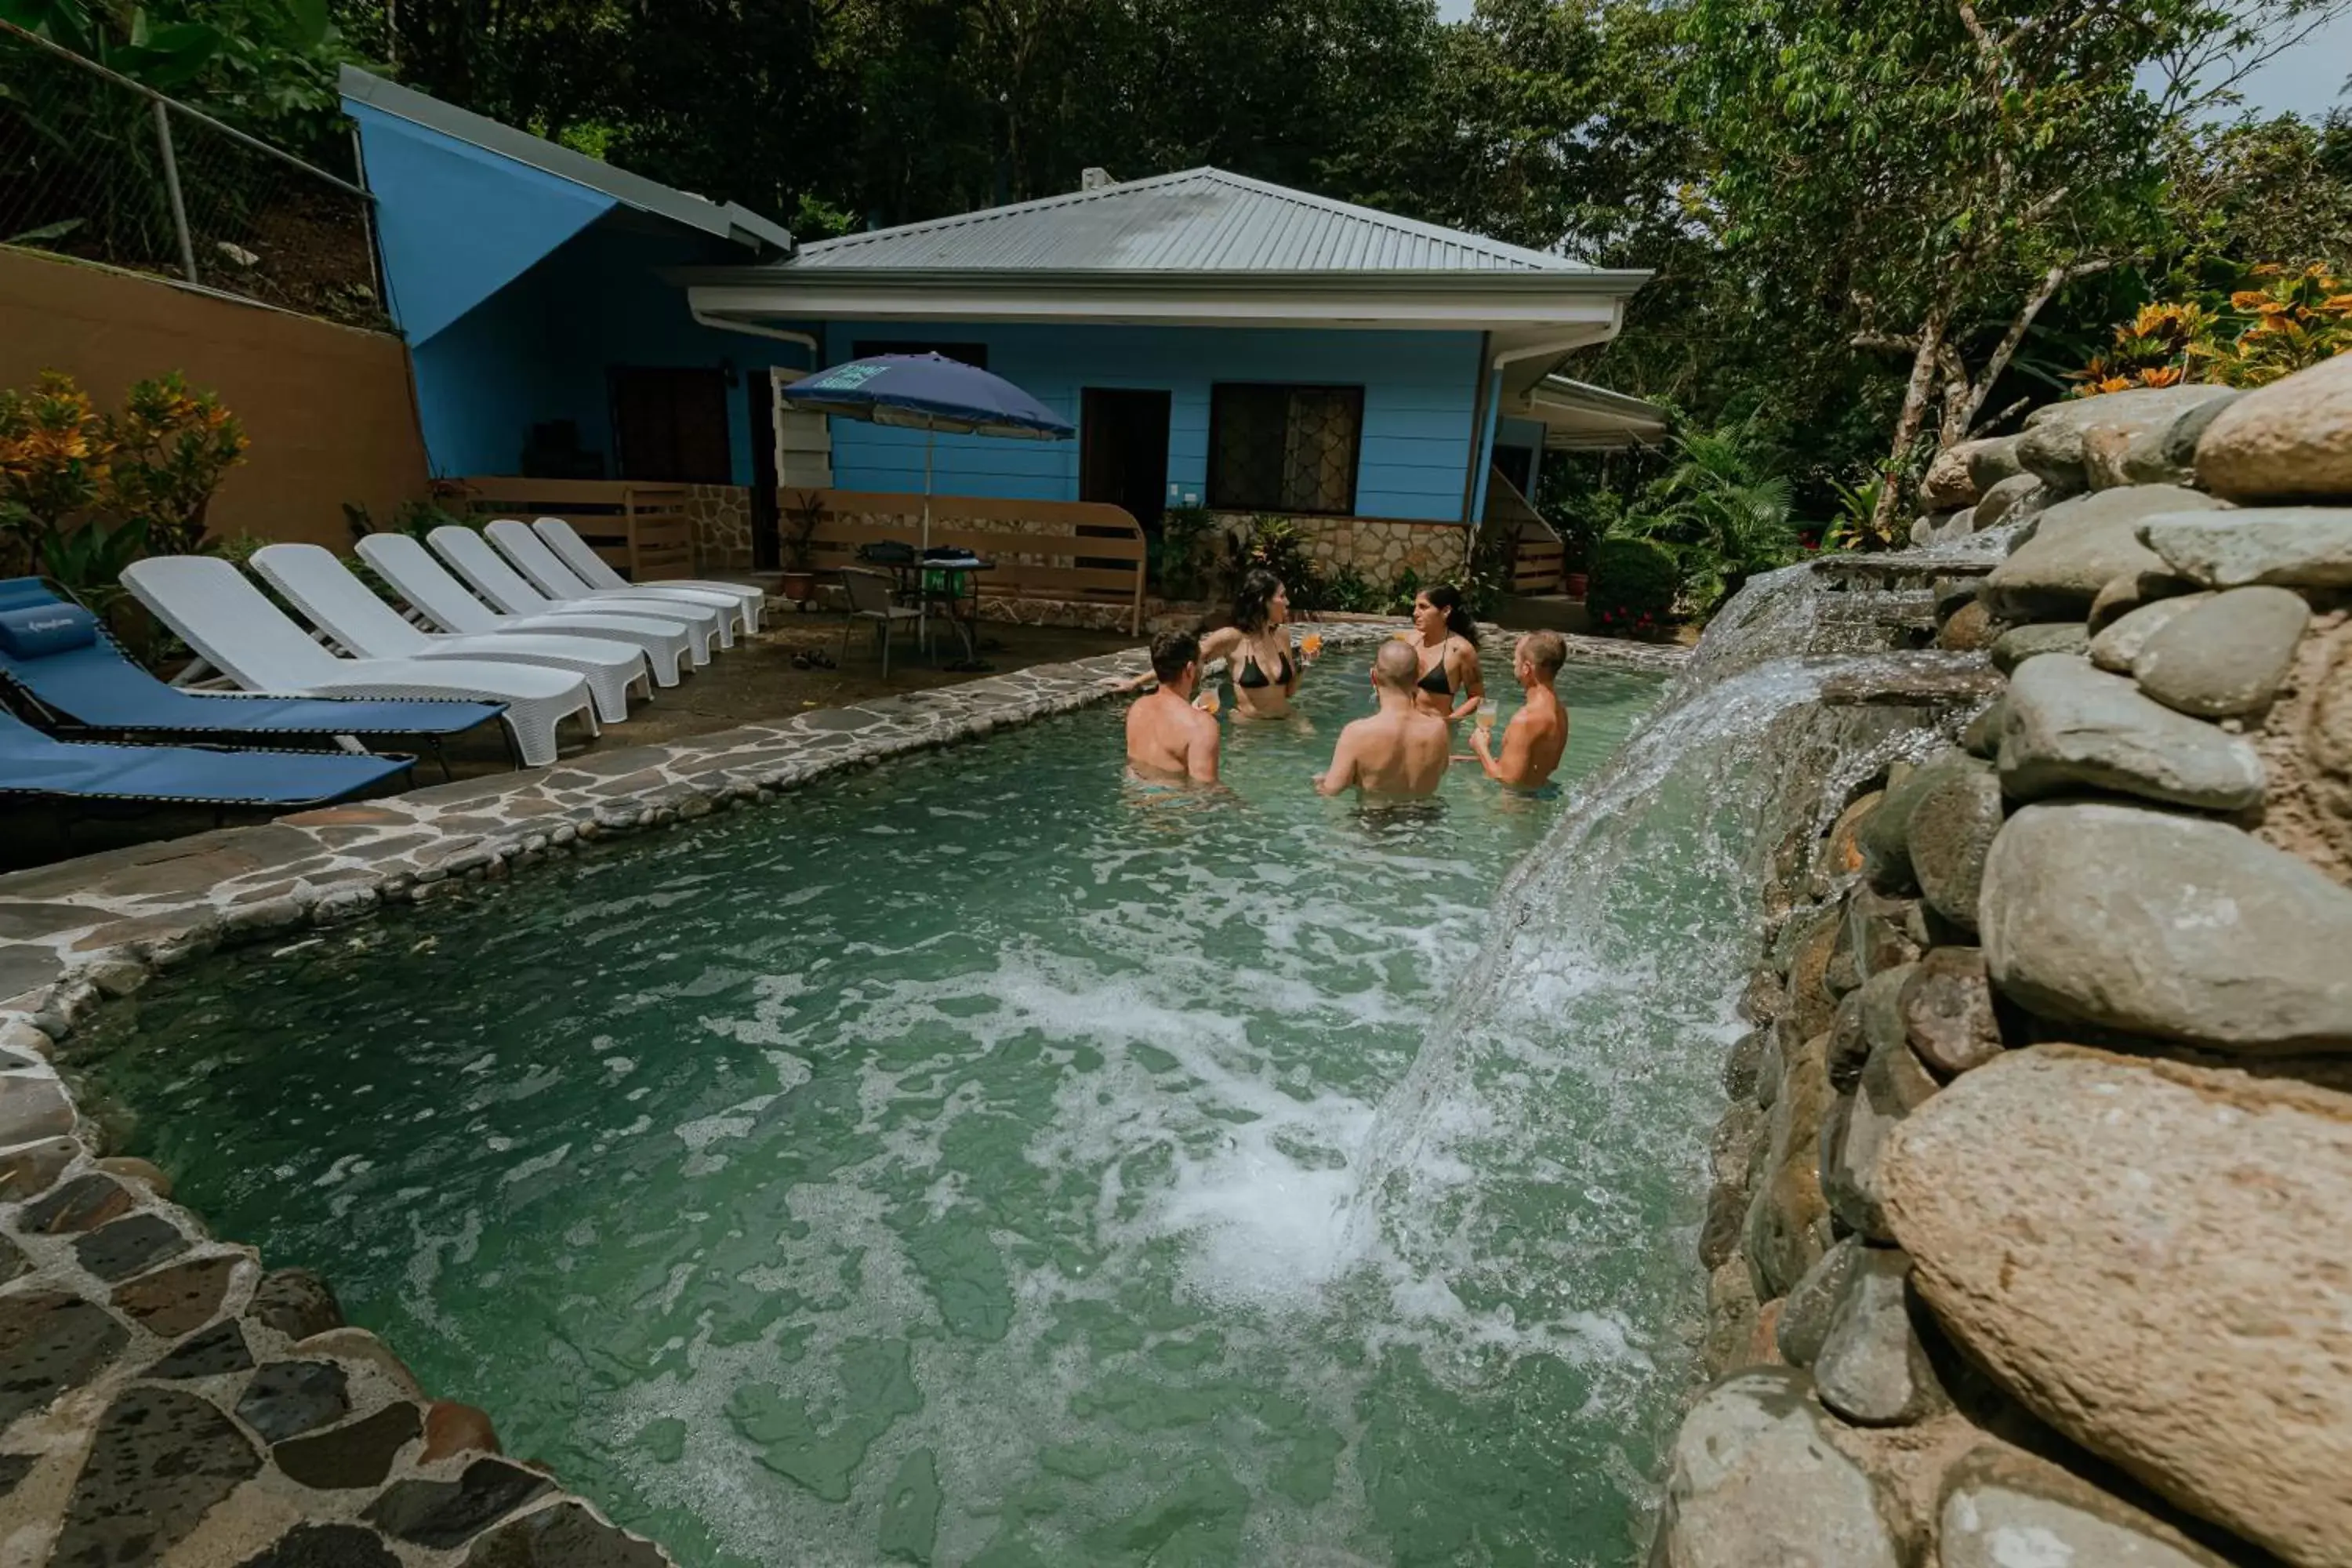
(1633, 588)
(1875, 226)
(85, 492)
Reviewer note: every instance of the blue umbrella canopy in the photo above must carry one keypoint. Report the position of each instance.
(928, 392)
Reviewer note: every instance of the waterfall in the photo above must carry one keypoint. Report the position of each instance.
(1603, 994)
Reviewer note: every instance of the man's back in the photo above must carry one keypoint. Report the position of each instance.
(1167, 738)
(1401, 754)
(1545, 721)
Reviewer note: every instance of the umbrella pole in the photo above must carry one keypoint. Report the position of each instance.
(923, 582)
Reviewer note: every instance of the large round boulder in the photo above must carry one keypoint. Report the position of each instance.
(2079, 546)
(2167, 926)
(1753, 1478)
(2149, 1257)
(2291, 440)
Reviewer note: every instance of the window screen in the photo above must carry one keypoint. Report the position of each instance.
(1284, 448)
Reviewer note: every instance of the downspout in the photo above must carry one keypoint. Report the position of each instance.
(1482, 447)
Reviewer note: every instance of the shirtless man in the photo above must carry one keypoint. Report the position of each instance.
(1167, 739)
(1538, 734)
(1401, 751)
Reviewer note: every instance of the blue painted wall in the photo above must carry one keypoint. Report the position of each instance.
(540, 349)
(1418, 394)
(1527, 433)
(454, 224)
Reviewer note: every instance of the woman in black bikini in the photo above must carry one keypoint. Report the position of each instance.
(1256, 648)
(1445, 639)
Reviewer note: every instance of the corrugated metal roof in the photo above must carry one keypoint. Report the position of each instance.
(1200, 220)
(725, 220)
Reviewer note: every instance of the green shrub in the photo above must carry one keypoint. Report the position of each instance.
(1347, 590)
(1633, 586)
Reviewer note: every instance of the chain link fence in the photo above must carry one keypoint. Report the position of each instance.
(95, 166)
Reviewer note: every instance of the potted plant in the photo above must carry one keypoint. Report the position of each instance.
(802, 512)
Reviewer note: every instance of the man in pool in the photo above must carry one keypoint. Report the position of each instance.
(1401, 751)
(1167, 739)
(1538, 734)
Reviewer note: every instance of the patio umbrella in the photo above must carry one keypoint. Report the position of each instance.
(929, 392)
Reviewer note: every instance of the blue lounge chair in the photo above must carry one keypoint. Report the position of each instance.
(34, 764)
(60, 658)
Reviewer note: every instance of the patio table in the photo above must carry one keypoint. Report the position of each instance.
(956, 583)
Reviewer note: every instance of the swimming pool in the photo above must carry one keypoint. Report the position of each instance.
(980, 1161)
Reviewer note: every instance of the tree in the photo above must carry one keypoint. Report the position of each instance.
(1943, 170)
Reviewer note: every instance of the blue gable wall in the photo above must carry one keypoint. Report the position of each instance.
(539, 350)
(1419, 391)
(455, 224)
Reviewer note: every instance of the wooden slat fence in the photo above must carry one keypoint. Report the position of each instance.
(642, 530)
(1083, 550)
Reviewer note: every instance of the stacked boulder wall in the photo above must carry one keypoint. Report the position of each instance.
(2167, 926)
(2285, 441)
(2123, 438)
(2149, 1256)
(1754, 1480)
(2081, 545)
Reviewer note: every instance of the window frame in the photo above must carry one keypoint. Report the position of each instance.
(1218, 413)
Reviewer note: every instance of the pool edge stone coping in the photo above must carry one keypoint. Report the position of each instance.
(133, 1347)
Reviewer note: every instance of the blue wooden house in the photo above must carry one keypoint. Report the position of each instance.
(1218, 341)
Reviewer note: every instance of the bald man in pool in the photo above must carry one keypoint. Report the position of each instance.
(1537, 736)
(1401, 751)
(1169, 739)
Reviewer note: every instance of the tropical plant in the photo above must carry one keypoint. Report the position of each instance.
(803, 515)
(1347, 589)
(2288, 320)
(1633, 588)
(83, 493)
(1856, 526)
(53, 462)
(1722, 513)
(1278, 544)
(1404, 589)
(1180, 559)
(171, 448)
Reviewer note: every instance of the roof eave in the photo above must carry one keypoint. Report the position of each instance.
(787, 278)
(738, 224)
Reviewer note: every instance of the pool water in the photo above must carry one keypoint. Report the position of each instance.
(986, 1161)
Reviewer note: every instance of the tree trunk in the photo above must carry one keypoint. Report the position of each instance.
(1907, 425)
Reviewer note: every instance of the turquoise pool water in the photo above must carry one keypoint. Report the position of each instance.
(982, 1161)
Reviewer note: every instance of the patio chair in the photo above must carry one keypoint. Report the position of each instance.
(309, 577)
(873, 598)
(402, 561)
(534, 560)
(493, 576)
(236, 630)
(34, 764)
(597, 573)
(61, 660)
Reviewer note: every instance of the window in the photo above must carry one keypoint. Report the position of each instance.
(972, 354)
(1284, 448)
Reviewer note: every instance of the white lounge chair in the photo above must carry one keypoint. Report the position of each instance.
(309, 577)
(493, 576)
(238, 630)
(597, 573)
(402, 561)
(550, 576)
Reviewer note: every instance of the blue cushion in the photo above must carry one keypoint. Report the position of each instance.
(43, 629)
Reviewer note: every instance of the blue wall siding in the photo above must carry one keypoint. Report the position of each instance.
(1418, 394)
(541, 349)
(454, 224)
(1527, 433)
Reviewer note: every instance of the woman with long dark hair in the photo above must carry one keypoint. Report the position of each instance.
(1261, 661)
(1446, 640)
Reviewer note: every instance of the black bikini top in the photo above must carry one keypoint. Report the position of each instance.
(1253, 678)
(1444, 685)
